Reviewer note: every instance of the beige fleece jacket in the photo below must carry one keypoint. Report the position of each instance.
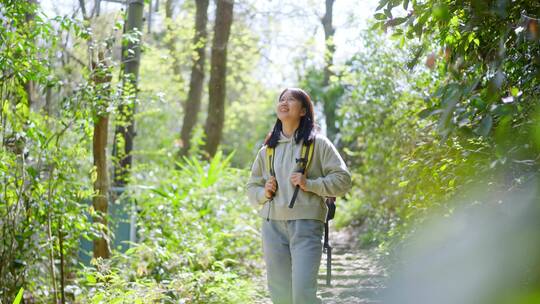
(327, 176)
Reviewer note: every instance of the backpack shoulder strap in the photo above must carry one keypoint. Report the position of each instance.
(307, 152)
(270, 160)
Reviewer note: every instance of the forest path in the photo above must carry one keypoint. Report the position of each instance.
(357, 276)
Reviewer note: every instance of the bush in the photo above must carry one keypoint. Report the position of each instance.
(199, 241)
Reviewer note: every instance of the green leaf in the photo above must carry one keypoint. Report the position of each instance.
(485, 126)
(376, 25)
(405, 4)
(18, 298)
(382, 3)
(380, 16)
(398, 20)
(428, 112)
(161, 193)
(403, 184)
(450, 99)
(441, 12)
(514, 91)
(471, 86)
(91, 279)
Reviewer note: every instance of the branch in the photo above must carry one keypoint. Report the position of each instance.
(79, 61)
(83, 9)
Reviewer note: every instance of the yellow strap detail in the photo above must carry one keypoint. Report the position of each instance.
(269, 156)
(310, 155)
(303, 152)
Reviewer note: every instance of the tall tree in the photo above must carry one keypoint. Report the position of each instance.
(169, 9)
(193, 103)
(125, 128)
(218, 71)
(329, 101)
(102, 80)
(29, 84)
(171, 38)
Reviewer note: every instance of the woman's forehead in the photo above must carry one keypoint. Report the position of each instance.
(287, 94)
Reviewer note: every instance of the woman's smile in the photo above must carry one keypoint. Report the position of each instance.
(289, 108)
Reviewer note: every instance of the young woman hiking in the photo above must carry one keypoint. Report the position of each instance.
(292, 237)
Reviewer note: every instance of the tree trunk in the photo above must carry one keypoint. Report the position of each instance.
(101, 186)
(125, 128)
(29, 84)
(169, 9)
(329, 103)
(99, 144)
(193, 103)
(218, 71)
(170, 40)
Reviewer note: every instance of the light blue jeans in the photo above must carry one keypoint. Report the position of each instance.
(292, 253)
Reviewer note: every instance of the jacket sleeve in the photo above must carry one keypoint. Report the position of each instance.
(336, 178)
(255, 184)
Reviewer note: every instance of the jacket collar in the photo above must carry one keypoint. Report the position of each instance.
(283, 138)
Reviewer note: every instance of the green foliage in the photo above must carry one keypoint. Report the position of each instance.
(44, 159)
(379, 130)
(42, 191)
(21, 59)
(164, 84)
(198, 241)
(42, 188)
(487, 55)
(206, 177)
(401, 167)
(18, 298)
(418, 136)
(250, 112)
(414, 137)
(330, 97)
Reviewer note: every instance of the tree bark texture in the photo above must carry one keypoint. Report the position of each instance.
(218, 71)
(193, 103)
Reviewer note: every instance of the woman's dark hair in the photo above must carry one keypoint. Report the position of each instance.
(306, 130)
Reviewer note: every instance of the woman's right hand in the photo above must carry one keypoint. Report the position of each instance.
(270, 187)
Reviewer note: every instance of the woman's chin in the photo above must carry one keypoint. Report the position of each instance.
(284, 117)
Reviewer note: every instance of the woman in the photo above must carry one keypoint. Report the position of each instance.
(292, 236)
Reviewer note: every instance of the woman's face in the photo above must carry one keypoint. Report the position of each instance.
(289, 109)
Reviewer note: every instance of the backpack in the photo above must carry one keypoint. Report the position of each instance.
(305, 161)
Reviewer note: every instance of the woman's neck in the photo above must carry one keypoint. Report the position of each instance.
(288, 128)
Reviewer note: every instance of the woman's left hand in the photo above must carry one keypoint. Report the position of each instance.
(299, 179)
